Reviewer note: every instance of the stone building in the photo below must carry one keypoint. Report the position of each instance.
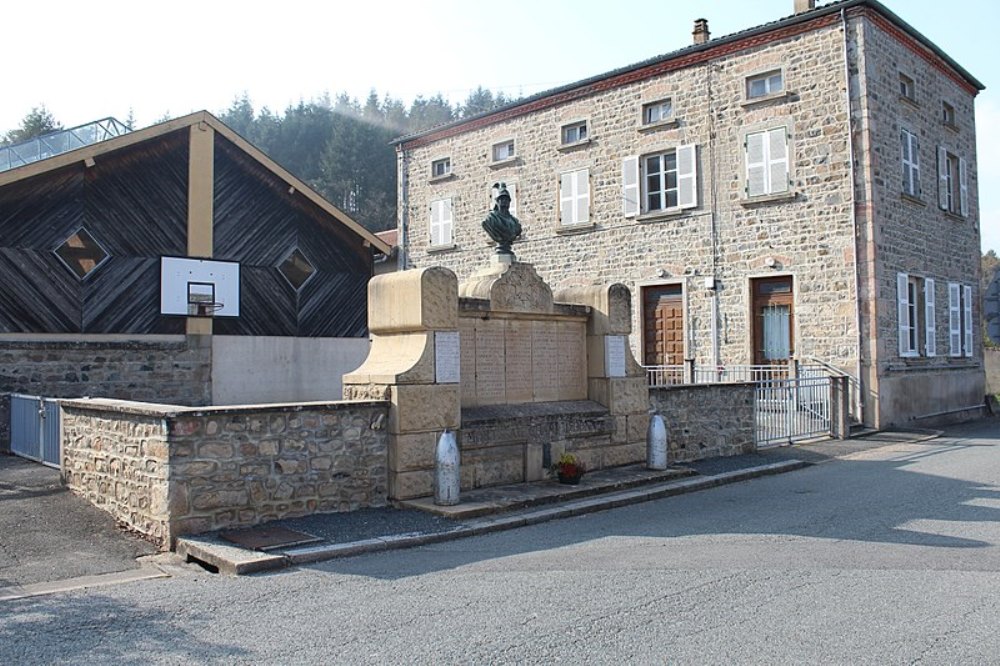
(803, 189)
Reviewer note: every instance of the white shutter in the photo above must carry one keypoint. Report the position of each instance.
(687, 176)
(942, 178)
(963, 185)
(930, 326)
(756, 164)
(630, 186)
(777, 167)
(954, 320)
(441, 222)
(512, 188)
(903, 312)
(904, 142)
(915, 163)
(566, 199)
(967, 319)
(435, 226)
(582, 196)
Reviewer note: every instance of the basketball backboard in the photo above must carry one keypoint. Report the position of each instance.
(199, 287)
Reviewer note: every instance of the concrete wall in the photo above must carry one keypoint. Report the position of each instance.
(706, 420)
(168, 368)
(165, 471)
(259, 369)
(992, 358)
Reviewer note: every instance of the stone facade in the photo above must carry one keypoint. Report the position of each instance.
(840, 233)
(165, 471)
(173, 369)
(706, 420)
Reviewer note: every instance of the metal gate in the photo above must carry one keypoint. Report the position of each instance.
(34, 428)
(792, 409)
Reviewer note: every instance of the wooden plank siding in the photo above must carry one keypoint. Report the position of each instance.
(258, 222)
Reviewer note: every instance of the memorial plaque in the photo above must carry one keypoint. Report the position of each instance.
(572, 361)
(614, 355)
(447, 357)
(518, 353)
(467, 335)
(490, 360)
(545, 361)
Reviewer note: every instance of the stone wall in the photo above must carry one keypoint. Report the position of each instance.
(706, 420)
(165, 471)
(992, 359)
(173, 369)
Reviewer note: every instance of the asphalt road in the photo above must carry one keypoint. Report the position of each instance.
(887, 556)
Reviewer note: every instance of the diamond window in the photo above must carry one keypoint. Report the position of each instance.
(297, 269)
(81, 253)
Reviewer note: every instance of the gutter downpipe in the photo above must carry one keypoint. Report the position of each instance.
(862, 383)
(404, 208)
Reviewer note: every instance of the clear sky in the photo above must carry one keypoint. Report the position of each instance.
(87, 60)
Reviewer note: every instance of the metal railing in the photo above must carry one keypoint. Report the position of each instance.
(792, 409)
(689, 373)
(58, 142)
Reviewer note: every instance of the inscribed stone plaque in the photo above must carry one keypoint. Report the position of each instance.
(467, 335)
(490, 359)
(517, 342)
(447, 357)
(614, 355)
(544, 361)
(572, 361)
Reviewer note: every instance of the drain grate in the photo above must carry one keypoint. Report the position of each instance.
(268, 538)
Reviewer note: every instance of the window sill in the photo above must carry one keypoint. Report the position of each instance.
(660, 125)
(568, 147)
(570, 229)
(442, 178)
(764, 199)
(909, 101)
(958, 217)
(434, 249)
(670, 214)
(912, 200)
(502, 163)
(782, 96)
(952, 126)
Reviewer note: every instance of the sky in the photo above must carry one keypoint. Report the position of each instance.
(85, 61)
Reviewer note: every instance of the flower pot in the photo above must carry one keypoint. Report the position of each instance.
(571, 480)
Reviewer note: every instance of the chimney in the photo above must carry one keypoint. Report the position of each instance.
(804, 6)
(700, 32)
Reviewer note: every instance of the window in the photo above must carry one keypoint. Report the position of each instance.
(574, 197)
(766, 162)
(81, 253)
(660, 182)
(503, 151)
(441, 167)
(764, 85)
(574, 132)
(441, 226)
(656, 112)
(907, 89)
(911, 163)
(916, 301)
(948, 114)
(959, 319)
(296, 268)
(953, 187)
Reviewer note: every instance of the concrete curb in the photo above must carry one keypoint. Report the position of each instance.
(15, 592)
(232, 560)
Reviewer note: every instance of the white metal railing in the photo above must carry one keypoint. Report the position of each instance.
(689, 373)
(792, 409)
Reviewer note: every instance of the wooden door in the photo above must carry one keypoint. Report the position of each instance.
(663, 325)
(773, 320)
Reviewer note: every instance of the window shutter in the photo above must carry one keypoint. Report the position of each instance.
(915, 163)
(756, 165)
(630, 186)
(687, 176)
(942, 178)
(582, 196)
(963, 184)
(930, 326)
(954, 320)
(441, 222)
(778, 163)
(436, 209)
(967, 319)
(512, 188)
(904, 142)
(903, 312)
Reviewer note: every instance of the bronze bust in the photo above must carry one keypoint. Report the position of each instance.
(500, 225)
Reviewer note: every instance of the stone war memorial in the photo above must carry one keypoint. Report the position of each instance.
(522, 374)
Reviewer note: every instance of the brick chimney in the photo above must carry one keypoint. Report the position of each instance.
(700, 32)
(804, 6)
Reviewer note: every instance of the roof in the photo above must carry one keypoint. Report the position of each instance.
(149, 133)
(684, 57)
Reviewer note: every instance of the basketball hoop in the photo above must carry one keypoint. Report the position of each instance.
(204, 308)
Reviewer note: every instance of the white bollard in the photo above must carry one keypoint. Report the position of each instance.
(656, 443)
(447, 471)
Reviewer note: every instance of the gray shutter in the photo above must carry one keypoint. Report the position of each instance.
(930, 326)
(630, 186)
(435, 225)
(942, 159)
(756, 164)
(446, 222)
(954, 320)
(777, 148)
(566, 199)
(967, 319)
(687, 176)
(582, 196)
(963, 184)
(903, 312)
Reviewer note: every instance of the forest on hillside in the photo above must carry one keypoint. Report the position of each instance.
(338, 145)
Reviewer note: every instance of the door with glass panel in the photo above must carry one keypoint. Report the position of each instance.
(773, 320)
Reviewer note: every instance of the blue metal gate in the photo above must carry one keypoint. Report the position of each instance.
(34, 428)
